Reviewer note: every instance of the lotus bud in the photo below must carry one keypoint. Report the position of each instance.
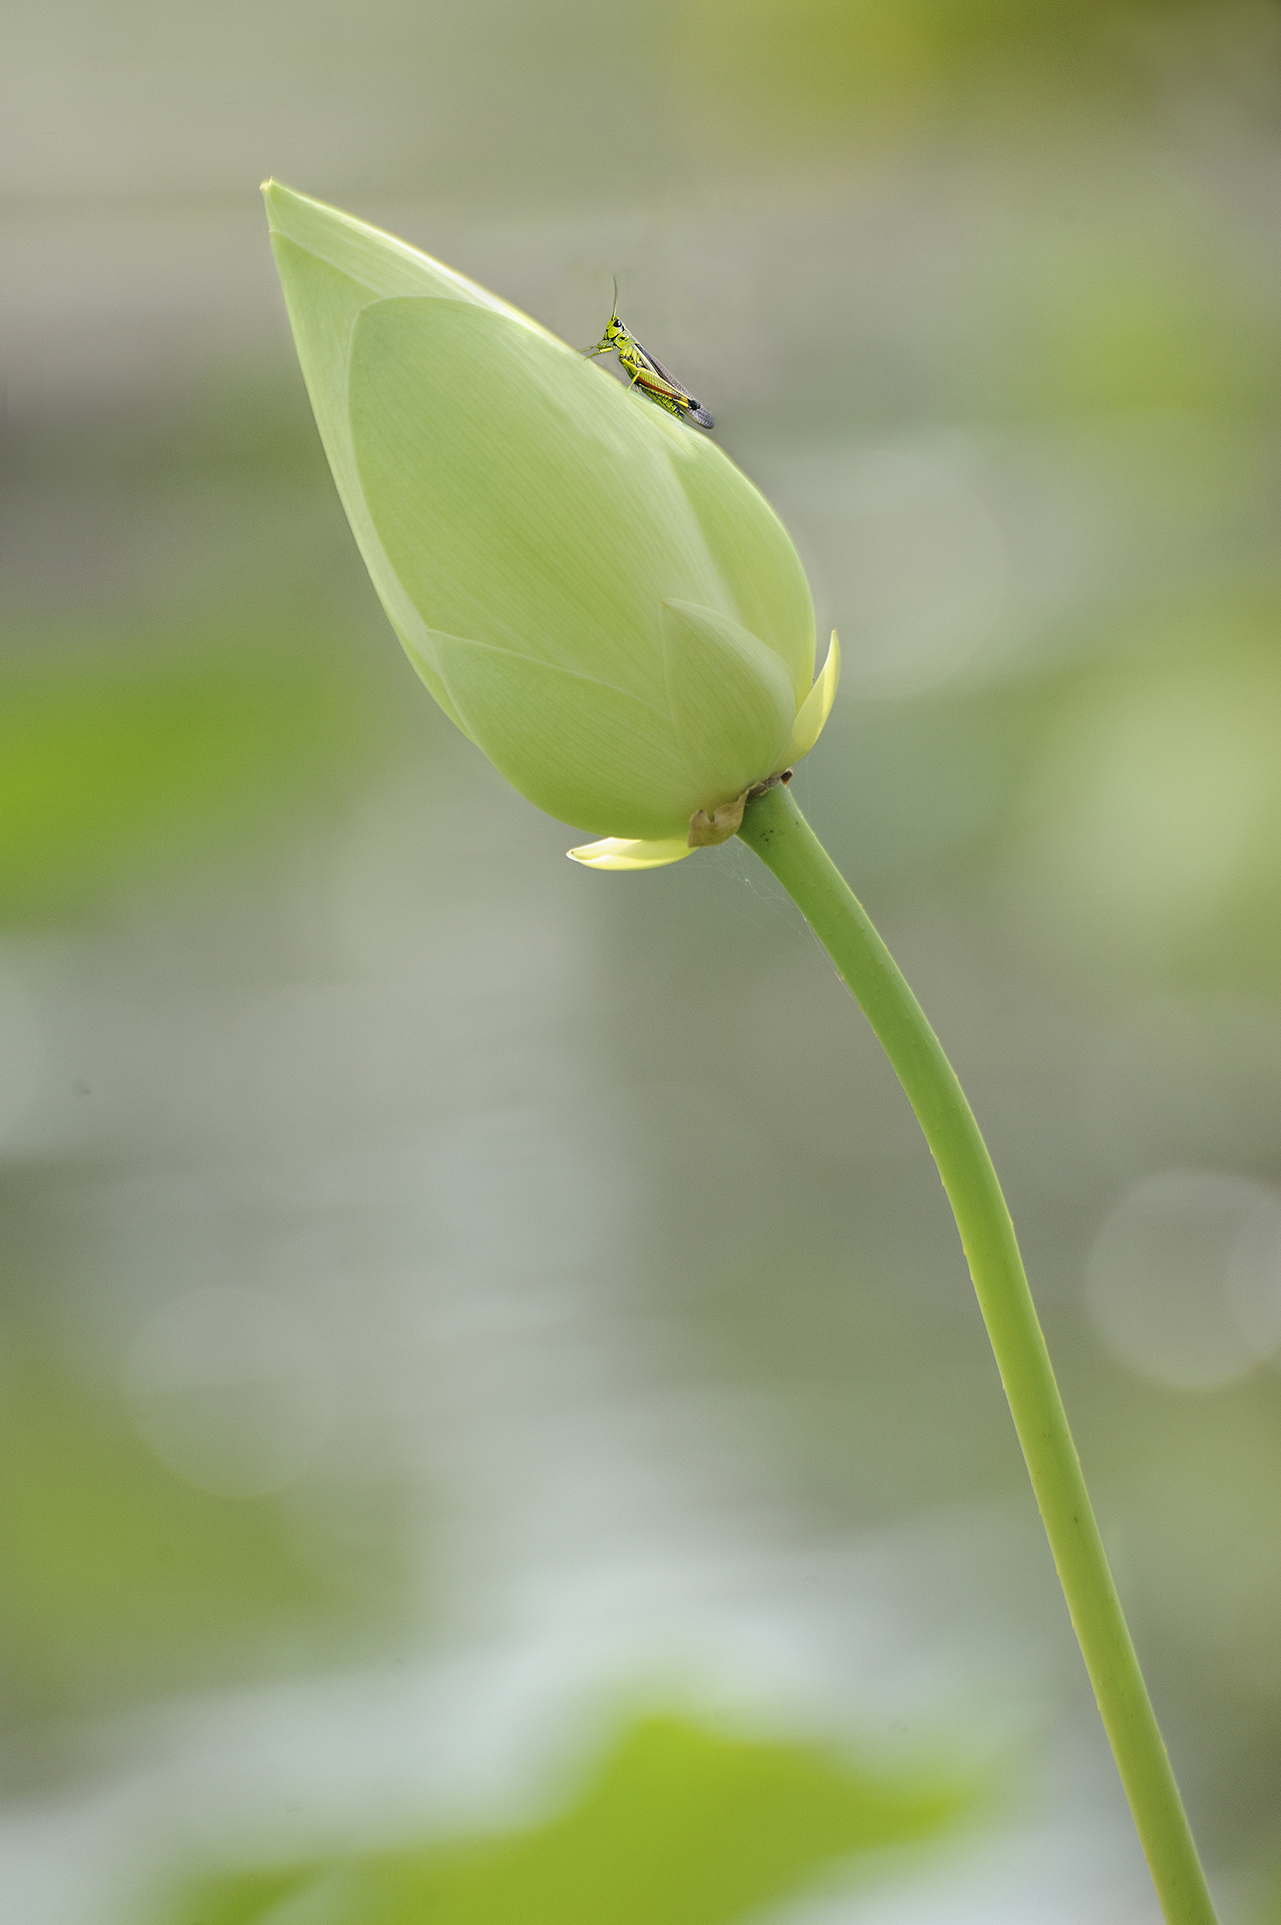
(590, 589)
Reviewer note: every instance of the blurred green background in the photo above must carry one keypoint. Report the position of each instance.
(483, 1353)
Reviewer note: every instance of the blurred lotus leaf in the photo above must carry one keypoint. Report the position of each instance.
(119, 762)
(118, 1580)
(1149, 819)
(680, 1824)
(792, 78)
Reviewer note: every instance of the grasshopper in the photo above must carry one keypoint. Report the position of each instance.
(649, 375)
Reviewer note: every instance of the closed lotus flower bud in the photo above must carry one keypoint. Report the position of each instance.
(590, 589)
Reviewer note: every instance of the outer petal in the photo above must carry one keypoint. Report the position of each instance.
(377, 261)
(519, 493)
(815, 709)
(617, 853)
(730, 698)
(331, 266)
(591, 754)
(754, 554)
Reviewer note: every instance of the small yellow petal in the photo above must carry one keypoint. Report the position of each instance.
(815, 709)
(615, 852)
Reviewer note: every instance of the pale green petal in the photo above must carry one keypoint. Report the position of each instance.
(755, 556)
(521, 495)
(323, 303)
(815, 709)
(617, 853)
(331, 266)
(730, 699)
(588, 753)
(377, 261)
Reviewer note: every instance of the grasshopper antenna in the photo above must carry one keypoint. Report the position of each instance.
(604, 345)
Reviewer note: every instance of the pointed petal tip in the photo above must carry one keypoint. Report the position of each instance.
(616, 852)
(280, 201)
(283, 199)
(815, 709)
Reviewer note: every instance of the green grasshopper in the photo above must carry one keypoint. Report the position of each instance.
(649, 375)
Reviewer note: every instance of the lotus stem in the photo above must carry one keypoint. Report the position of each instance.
(775, 828)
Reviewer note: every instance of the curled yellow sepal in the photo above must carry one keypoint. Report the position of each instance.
(705, 831)
(616, 852)
(815, 709)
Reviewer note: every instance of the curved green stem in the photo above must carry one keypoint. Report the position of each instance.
(775, 828)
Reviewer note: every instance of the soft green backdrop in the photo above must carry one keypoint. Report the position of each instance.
(455, 1305)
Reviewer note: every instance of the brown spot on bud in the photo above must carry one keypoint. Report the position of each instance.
(707, 830)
